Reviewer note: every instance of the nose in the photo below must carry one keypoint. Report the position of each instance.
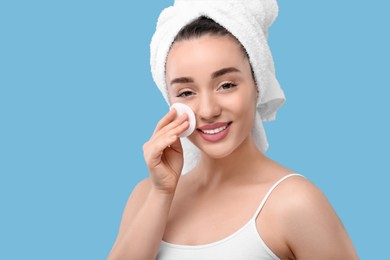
(208, 108)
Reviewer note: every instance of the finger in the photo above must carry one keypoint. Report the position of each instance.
(179, 129)
(173, 125)
(169, 117)
(174, 129)
(167, 140)
(176, 146)
(155, 151)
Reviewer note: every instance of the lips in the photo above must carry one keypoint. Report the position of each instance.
(214, 126)
(214, 132)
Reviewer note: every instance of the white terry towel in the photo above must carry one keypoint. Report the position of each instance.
(248, 21)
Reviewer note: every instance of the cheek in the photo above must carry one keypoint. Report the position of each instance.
(243, 101)
(245, 107)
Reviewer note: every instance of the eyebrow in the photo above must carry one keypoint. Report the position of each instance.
(224, 71)
(214, 75)
(182, 80)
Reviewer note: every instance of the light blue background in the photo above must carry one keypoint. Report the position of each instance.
(77, 102)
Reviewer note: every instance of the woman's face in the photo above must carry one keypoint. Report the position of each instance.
(212, 75)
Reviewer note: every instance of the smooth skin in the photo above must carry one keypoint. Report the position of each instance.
(222, 192)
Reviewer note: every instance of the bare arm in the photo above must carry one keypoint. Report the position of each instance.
(147, 210)
(143, 224)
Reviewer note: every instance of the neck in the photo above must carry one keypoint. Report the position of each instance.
(236, 167)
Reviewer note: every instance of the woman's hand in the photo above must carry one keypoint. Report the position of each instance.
(163, 153)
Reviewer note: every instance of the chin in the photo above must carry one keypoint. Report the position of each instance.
(217, 153)
(216, 150)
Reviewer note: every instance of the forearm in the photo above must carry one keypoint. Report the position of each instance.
(142, 238)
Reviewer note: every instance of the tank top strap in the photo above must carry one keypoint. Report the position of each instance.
(270, 191)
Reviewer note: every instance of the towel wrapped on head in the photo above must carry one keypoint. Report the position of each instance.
(248, 21)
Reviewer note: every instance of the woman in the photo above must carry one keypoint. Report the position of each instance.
(234, 203)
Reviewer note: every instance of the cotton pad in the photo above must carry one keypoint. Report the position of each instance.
(181, 109)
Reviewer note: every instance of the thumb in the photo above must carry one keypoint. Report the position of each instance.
(176, 146)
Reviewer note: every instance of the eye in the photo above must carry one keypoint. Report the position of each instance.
(186, 93)
(228, 85)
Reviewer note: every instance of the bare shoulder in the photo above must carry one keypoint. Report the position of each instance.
(299, 194)
(295, 199)
(308, 222)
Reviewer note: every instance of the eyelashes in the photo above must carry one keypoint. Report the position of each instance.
(228, 85)
(186, 93)
(224, 86)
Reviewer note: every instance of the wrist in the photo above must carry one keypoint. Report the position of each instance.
(161, 194)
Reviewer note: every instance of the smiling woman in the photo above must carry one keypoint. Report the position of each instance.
(235, 203)
(218, 85)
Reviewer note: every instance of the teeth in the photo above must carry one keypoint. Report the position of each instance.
(214, 131)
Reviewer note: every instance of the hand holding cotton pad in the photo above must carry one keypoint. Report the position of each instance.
(181, 109)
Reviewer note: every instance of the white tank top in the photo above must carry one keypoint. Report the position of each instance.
(246, 243)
